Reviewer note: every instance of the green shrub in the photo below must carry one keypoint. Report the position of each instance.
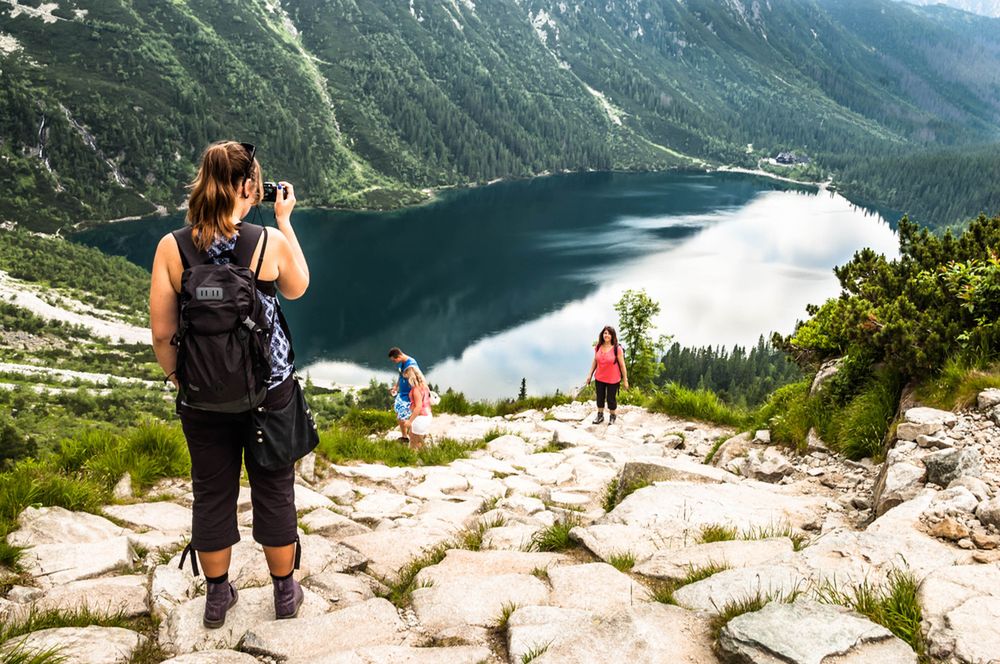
(555, 537)
(341, 444)
(789, 414)
(859, 430)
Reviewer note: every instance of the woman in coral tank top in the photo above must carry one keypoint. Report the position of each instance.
(608, 368)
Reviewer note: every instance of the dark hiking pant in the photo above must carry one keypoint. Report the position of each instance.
(218, 443)
(609, 392)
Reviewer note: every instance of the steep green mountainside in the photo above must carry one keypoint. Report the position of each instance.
(983, 7)
(107, 104)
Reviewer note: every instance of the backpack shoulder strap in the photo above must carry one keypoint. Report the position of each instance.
(247, 243)
(185, 244)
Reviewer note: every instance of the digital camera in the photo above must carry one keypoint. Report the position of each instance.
(271, 190)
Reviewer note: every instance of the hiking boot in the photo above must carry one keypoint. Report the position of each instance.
(288, 597)
(599, 418)
(611, 419)
(219, 598)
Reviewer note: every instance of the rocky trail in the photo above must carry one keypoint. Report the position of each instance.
(485, 590)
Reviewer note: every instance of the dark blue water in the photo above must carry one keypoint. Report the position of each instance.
(488, 285)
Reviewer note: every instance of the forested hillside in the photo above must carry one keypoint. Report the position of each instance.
(107, 104)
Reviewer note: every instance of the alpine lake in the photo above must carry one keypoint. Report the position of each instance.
(485, 286)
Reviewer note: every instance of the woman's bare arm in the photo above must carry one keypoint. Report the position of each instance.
(621, 365)
(293, 271)
(163, 307)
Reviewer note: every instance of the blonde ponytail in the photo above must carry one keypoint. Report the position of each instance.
(216, 190)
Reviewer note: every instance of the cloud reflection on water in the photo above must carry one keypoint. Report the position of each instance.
(749, 270)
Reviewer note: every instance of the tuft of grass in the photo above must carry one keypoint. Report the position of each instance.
(490, 504)
(494, 433)
(549, 448)
(10, 555)
(702, 405)
(716, 532)
(534, 652)
(622, 561)
(893, 605)
(506, 610)
(555, 537)
(610, 500)
(747, 604)
(19, 654)
(541, 573)
(472, 539)
(663, 591)
(799, 540)
(715, 448)
(399, 589)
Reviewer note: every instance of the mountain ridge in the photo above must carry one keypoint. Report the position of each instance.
(111, 103)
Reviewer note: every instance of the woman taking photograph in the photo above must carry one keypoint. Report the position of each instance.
(608, 368)
(227, 185)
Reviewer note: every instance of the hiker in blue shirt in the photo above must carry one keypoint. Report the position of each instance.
(401, 390)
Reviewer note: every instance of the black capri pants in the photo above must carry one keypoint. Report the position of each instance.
(607, 391)
(217, 442)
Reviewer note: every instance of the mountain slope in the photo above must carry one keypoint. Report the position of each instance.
(107, 104)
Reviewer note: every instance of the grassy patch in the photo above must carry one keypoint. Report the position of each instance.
(490, 504)
(862, 426)
(548, 448)
(37, 620)
(457, 404)
(622, 561)
(368, 421)
(893, 605)
(716, 532)
(958, 384)
(339, 444)
(554, 538)
(701, 405)
(472, 539)
(541, 573)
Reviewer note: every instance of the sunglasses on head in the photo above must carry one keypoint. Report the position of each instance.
(252, 151)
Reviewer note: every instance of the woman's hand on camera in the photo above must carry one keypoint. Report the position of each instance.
(284, 204)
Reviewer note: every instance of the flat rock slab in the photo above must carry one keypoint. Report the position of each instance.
(56, 525)
(383, 505)
(509, 447)
(961, 609)
(457, 601)
(164, 517)
(125, 595)
(182, 631)
(307, 639)
(57, 564)
(680, 469)
(339, 589)
(595, 587)
(408, 655)
(458, 562)
(609, 539)
(685, 507)
(389, 550)
(675, 565)
(808, 632)
(214, 657)
(508, 538)
(713, 593)
(330, 524)
(307, 499)
(650, 632)
(82, 645)
(849, 556)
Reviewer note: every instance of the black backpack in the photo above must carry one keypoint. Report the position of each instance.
(223, 338)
